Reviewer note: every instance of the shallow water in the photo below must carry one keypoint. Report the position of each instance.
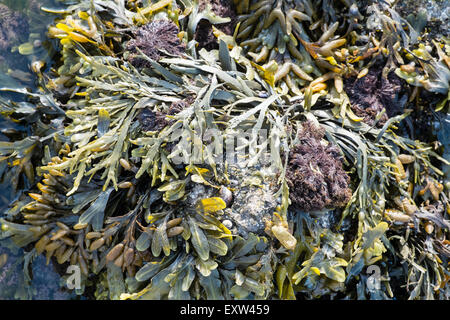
(15, 73)
(26, 43)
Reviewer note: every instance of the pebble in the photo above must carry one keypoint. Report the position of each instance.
(228, 224)
(226, 195)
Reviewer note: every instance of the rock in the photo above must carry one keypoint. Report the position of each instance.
(252, 205)
(196, 192)
(45, 284)
(249, 205)
(13, 28)
(226, 195)
(227, 223)
(436, 11)
(204, 33)
(442, 130)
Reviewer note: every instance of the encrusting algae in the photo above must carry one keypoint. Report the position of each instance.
(127, 172)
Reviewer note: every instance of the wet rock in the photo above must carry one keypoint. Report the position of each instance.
(152, 38)
(253, 199)
(196, 192)
(13, 28)
(226, 195)
(252, 204)
(424, 118)
(442, 128)
(436, 13)
(227, 223)
(45, 284)
(204, 33)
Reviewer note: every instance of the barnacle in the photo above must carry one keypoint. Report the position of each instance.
(124, 174)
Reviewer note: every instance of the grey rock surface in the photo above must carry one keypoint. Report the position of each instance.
(45, 284)
(13, 27)
(254, 201)
(437, 12)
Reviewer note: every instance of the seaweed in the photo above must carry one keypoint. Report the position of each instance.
(152, 39)
(123, 170)
(204, 33)
(315, 174)
(375, 98)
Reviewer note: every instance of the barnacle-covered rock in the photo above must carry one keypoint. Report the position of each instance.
(254, 200)
(314, 174)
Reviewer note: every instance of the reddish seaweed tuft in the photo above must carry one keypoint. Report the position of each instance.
(315, 175)
(152, 38)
